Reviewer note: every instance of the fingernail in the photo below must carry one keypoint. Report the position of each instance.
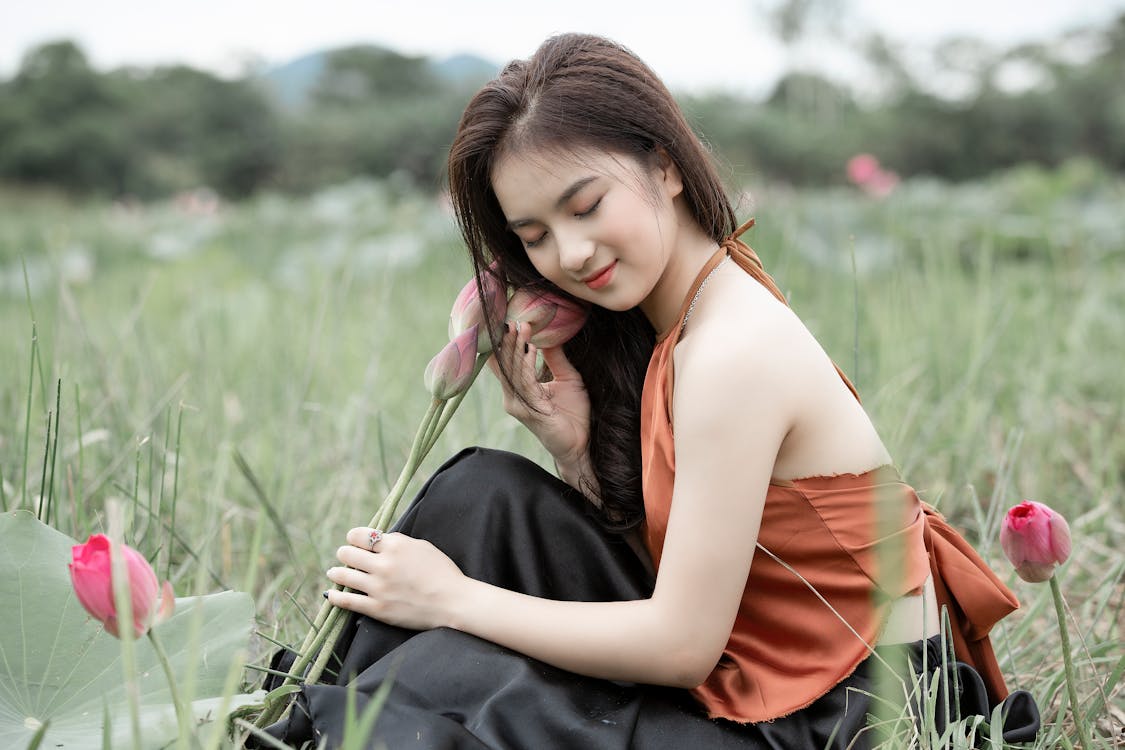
(525, 347)
(325, 594)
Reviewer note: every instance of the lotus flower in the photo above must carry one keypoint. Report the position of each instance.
(862, 168)
(1035, 539)
(865, 173)
(468, 310)
(451, 371)
(91, 574)
(554, 320)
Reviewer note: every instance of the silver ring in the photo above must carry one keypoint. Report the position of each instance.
(373, 538)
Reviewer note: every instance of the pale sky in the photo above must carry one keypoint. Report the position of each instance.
(692, 44)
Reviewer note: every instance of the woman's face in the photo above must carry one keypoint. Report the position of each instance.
(598, 225)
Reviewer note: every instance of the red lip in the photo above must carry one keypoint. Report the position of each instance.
(600, 278)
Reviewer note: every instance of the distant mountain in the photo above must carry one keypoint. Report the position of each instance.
(466, 69)
(291, 82)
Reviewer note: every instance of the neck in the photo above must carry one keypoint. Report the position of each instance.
(691, 252)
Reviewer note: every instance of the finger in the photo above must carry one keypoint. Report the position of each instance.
(366, 537)
(527, 362)
(350, 577)
(513, 359)
(514, 353)
(558, 364)
(357, 558)
(503, 354)
(494, 361)
(355, 602)
(524, 362)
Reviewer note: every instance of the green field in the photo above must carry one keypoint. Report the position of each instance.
(247, 381)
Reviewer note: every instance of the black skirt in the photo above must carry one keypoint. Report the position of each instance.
(505, 520)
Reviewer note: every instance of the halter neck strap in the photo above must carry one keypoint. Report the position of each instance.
(746, 259)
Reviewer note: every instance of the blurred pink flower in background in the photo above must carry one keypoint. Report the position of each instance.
(1035, 539)
(865, 173)
(861, 168)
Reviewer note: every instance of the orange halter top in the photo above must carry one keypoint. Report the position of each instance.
(814, 602)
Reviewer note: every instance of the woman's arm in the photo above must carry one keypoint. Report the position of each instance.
(725, 448)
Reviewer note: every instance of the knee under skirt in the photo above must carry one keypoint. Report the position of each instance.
(506, 521)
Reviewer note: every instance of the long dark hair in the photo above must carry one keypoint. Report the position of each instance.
(583, 91)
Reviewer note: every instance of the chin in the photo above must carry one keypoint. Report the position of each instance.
(623, 307)
(614, 302)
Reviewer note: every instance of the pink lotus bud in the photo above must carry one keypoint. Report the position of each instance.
(554, 320)
(862, 168)
(468, 310)
(1035, 539)
(92, 576)
(881, 184)
(450, 372)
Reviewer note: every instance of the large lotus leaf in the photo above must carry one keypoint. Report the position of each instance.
(59, 664)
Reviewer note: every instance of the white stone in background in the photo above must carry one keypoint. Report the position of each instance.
(392, 250)
(344, 202)
(232, 408)
(90, 437)
(173, 244)
(76, 265)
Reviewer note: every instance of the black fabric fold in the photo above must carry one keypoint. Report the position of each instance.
(506, 521)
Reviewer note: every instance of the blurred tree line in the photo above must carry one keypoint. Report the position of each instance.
(151, 132)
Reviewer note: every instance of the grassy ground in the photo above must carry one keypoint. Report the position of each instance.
(248, 380)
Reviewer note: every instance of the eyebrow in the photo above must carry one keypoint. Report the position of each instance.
(567, 194)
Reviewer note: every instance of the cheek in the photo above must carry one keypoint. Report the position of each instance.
(541, 262)
(546, 264)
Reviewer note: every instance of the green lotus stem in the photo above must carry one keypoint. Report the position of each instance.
(273, 711)
(183, 718)
(453, 403)
(321, 639)
(429, 437)
(387, 509)
(332, 630)
(333, 625)
(321, 616)
(328, 616)
(1068, 662)
(317, 656)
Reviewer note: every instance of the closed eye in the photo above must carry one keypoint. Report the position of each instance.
(590, 210)
(578, 215)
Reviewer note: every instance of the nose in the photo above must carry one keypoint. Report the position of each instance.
(574, 252)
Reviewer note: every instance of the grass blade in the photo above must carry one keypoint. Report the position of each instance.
(267, 506)
(54, 449)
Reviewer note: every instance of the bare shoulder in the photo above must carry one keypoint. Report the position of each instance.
(737, 345)
(741, 335)
(747, 350)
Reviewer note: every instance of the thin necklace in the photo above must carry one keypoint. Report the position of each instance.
(699, 291)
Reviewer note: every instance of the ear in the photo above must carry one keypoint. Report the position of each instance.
(668, 173)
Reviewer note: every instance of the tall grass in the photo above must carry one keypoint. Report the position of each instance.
(248, 382)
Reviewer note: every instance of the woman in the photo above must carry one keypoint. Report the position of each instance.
(707, 572)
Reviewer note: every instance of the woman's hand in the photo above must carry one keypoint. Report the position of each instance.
(557, 412)
(401, 580)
